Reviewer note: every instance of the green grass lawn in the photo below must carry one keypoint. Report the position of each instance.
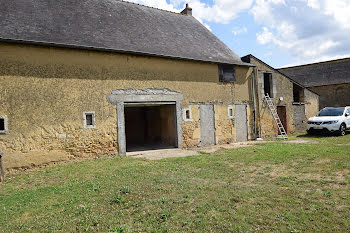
(273, 186)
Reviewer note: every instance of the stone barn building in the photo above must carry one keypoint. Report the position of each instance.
(106, 77)
(294, 103)
(330, 80)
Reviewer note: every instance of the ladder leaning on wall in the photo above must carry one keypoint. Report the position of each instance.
(283, 134)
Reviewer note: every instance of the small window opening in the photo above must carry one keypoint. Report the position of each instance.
(268, 84)
(227, 73)
(3, 125)
(230, 112)
(298, 94)
(89, 120)
(187, 114)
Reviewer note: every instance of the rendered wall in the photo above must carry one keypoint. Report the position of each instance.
(44, 92)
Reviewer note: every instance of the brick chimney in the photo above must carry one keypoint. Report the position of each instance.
(187, 10)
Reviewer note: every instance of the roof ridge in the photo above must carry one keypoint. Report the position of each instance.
(315, 63)
(149, 7)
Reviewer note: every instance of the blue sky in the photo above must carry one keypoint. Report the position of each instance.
(279, 32)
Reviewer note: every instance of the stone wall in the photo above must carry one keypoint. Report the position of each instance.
(224, 127)
(282, 87)
(191, 129)
(333, 95)
(282, 96)
(69, 137)
(312, 103)
(44, 92)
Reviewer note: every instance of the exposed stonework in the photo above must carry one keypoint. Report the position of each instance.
(282, 89)
(336, 95)
(312, 106)
(224, 126)
(191, 129)
(71, 138)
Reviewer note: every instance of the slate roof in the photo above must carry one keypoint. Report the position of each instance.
(111, 25)
(320, 74)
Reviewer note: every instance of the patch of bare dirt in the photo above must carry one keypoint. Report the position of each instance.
(173, 153)
(323, 161)
(162, 154)
(236, 165)
(301, 142)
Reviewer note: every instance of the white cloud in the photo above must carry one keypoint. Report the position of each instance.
(308, 30)
(265, 36)
(239, 30)
(161, 4)
(221, 11)
(313, 4)
(339, 10)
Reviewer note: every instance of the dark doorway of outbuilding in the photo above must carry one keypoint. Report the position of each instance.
(298, 94)
(268, 84)
(150, 127)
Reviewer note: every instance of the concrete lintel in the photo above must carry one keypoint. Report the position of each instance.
(147, 95)
(148, 103)
(240, 103)
(114, 99)
(300, 103)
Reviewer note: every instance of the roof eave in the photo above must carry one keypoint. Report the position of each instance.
(102, 49)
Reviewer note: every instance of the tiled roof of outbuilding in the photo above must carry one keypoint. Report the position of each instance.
(111, 25)
(320, 74)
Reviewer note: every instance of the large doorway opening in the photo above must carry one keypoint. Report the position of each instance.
(150, 127)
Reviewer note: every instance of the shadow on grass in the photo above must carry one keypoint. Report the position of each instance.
(321, 135)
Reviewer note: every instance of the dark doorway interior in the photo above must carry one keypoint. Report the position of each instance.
(268, 84)
(2, 124)
(298, 93)
(282, 114)
(150, 127)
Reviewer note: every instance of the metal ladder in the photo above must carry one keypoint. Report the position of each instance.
(276, 117)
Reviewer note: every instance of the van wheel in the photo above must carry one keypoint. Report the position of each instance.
(342, 130)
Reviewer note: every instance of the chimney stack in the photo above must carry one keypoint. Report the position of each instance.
(187, 10)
